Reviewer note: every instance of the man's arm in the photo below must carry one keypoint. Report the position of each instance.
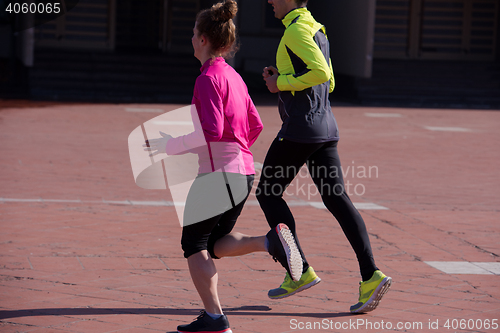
(301, 45)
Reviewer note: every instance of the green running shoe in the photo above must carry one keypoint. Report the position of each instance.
(290, 287)
(371, 292)
(283, 248)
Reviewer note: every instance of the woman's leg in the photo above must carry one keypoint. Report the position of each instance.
(225, 243)
(324, 167)
(237, 244)
(204, 275)
(201, 266)
(197, 242)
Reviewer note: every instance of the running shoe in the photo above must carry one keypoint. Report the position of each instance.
(371, 292)
(205, 323)
(290, 287)
(283, 248)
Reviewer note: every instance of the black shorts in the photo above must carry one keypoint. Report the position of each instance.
(202, 235)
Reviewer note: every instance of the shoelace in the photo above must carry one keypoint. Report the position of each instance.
(202, 313)
(360, 293)
(288, 280)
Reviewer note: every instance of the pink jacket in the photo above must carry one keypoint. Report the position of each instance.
(228, 118)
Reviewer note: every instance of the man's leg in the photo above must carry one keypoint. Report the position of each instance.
(283, 161)
(324, 167)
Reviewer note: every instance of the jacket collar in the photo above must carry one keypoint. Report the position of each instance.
(211, 62)
(293, 14)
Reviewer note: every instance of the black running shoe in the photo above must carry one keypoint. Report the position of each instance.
(283, 248)
(205, 323)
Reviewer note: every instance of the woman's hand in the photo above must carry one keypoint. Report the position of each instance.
(157, 146)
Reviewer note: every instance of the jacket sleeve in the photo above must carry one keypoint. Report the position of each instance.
(189, 143)
(301, 46)
(254, 123)
(211, 108)
(208, 119)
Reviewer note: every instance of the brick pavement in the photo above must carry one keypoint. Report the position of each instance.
(82, 251)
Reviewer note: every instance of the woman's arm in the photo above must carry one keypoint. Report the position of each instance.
(208, 119)
(254, 122)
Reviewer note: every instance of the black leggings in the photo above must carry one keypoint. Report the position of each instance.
(203, 235)
(283, 161)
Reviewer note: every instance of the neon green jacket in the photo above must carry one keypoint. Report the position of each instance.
(300, 39)
(305, 80)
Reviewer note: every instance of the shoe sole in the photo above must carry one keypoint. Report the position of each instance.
(373, 301)
(293, 257)
(304, 287)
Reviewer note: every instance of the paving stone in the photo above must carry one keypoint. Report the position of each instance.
(77, 256)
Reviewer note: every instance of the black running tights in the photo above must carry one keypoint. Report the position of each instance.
(282, 163)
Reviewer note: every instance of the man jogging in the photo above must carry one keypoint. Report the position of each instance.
(309, 135)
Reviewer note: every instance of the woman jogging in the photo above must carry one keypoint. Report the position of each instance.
(309, 135)
(229, 124)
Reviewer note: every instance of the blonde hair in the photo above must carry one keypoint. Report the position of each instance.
(216, 24)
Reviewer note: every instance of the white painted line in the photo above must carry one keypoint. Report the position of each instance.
(39, 200)
(152, 203)
(493, 267)
(19, 200)
(296, 203)
(369, 206)
(358, 205)
(173, 122)
(142, 203)
(291, 203)
(115, 202)
(318, 205)
(383, 115)
(465, 267)
(447, 129)
(60, 200)
(144, 110)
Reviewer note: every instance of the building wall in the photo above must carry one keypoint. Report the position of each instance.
(464, 30)
(350, 27)
(498, 37)
(6, 40)
(258, 44)
(349, 24)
